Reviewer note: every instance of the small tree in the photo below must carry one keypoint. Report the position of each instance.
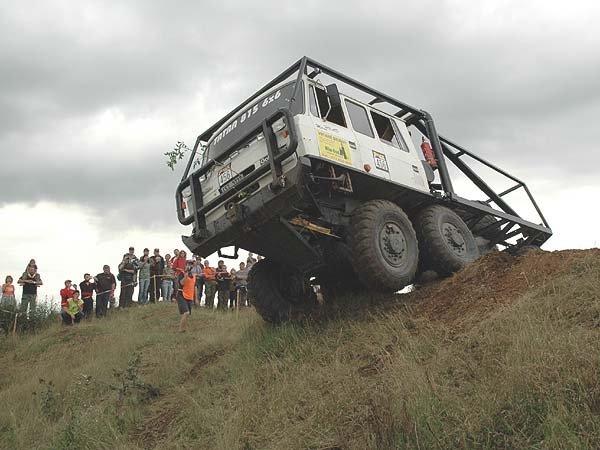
(179, 152)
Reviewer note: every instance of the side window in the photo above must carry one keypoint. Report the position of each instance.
(359, 118)
(336, 115)
(387, 132)
(312, 100)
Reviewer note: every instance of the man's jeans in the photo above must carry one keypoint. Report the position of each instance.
(126, 296)
(102, 304)
(28, 299)
(167, 290)
(143, 291)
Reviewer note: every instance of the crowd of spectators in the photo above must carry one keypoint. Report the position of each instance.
(158, 279)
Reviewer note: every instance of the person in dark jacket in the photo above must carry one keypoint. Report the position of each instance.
(105, 288)
(127, 278)
(87, 288)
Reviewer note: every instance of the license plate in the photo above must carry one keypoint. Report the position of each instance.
(225, 175)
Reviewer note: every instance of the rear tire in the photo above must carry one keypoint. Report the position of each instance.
(446, 243)
(279, 295)
(384, 247)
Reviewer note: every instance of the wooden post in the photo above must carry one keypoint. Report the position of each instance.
(15, 324)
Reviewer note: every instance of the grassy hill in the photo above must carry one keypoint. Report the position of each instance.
(505, 354)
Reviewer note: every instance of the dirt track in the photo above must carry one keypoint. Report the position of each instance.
(493, 281)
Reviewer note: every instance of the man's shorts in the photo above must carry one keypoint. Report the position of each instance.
(185, 306)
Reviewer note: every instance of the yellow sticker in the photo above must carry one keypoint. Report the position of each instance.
(335, 148)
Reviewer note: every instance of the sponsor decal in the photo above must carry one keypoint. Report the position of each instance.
(244, 116)
(334, 148)
(380, 161)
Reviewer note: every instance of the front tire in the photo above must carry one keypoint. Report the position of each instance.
(384, 247)
(446, 243)
(280, 295)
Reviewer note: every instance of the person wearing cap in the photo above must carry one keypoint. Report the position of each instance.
(105, 288)
(127, 278)
(67, 292)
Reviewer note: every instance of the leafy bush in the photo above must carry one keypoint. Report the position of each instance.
(39, 318)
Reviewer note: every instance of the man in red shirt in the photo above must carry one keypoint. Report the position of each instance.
(66, 293)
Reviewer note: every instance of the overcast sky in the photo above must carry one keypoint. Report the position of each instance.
(92, 94)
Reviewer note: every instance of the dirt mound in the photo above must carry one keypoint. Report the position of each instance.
(493, 281)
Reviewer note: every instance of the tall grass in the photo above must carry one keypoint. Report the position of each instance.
(524, 377)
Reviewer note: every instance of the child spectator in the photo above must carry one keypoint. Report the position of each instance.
(8, 293)
(71, 309)
(67, 292)
(223, 284)
(210, 285)
(87, 288)
(30, 281)
(168, 278)
(185, 298)
(105, 288)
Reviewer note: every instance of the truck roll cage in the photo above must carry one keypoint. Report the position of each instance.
(508, 223)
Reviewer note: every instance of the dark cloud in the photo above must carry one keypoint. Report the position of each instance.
(518, 84)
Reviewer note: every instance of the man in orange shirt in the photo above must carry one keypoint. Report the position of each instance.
(210, 285)
(185, 297)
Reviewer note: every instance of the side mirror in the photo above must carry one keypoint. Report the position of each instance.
(334, 95)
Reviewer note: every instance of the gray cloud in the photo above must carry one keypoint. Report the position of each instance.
(519, 84)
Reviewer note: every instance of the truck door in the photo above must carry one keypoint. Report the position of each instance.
(367, 142)
(335, 141)
(395, 152)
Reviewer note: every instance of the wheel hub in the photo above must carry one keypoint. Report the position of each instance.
(454, 239)
(392, 243)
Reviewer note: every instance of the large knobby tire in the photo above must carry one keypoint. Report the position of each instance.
(445, 242)
(279, 295)
(384, 247)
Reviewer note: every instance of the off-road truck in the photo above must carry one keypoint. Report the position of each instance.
(342, 186)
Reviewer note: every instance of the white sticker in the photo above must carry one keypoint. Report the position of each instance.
(380, 161)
